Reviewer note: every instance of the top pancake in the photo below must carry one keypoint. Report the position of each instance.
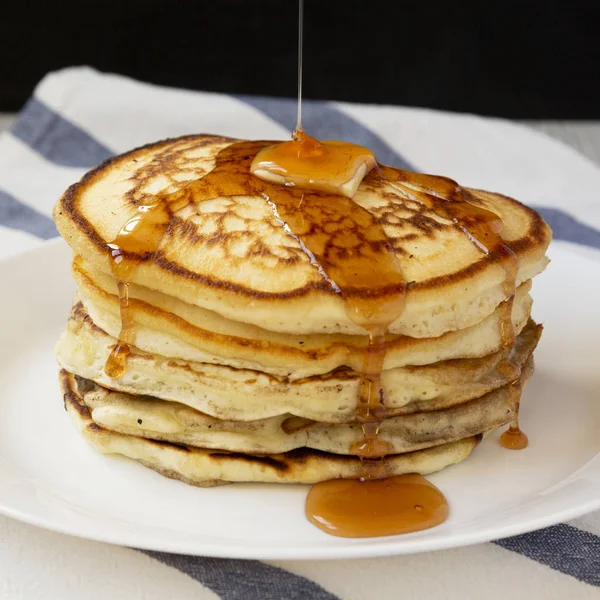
(234, 256)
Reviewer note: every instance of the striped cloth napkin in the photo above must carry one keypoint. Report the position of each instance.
(77, 118)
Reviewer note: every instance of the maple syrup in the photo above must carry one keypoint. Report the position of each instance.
(356, 509)
(117, 359)
(138, 240)
(513, 438)
(362, 273)
(483, 228)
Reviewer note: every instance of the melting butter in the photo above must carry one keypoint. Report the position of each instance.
(332, 167)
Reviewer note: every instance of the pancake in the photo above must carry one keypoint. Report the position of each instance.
(228, 329)
(221, 254)
(172, 422)
(205, 468)
(247, 395)
(168, 327)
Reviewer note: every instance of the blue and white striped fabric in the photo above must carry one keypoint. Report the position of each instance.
(77, 118)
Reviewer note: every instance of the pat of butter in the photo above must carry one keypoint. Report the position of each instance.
(330, 166)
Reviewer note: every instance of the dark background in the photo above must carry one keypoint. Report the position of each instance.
(511, 59)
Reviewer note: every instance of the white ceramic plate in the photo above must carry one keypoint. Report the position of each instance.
(50, 477)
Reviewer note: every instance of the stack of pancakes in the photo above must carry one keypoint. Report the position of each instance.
(246, 365)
